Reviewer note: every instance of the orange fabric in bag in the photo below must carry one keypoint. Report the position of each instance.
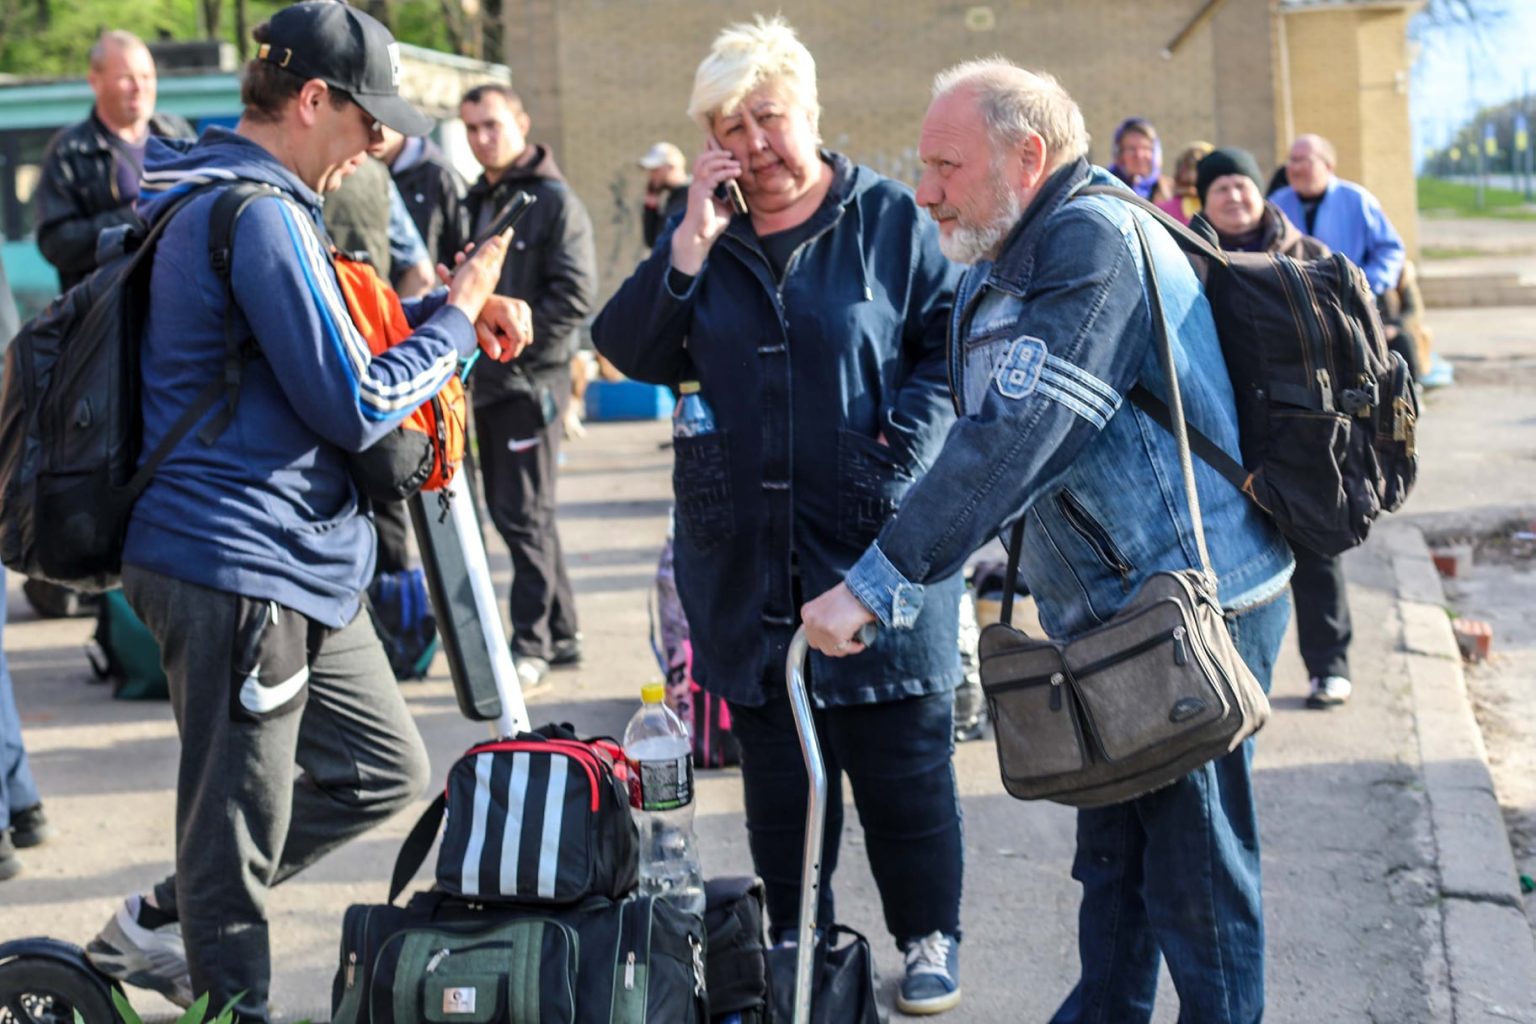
(379, 317)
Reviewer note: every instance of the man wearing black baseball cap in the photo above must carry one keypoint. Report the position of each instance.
(247, 552)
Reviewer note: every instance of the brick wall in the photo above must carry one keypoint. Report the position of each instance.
(1349, 83)
(603, 79)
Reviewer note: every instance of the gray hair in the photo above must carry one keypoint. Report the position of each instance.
(113, 38)
(743, 57)
(1015, 103)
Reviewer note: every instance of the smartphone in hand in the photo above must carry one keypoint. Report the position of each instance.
(506, 217)
(728, 191)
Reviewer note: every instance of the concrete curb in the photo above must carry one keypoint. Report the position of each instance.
(1489, 950)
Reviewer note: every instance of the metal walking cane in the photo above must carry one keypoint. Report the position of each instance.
(815, 813)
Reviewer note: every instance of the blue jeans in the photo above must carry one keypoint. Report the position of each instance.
(897, 756)
(1175, 873)
(18, 791)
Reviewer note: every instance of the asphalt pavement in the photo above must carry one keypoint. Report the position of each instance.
(1387, 898)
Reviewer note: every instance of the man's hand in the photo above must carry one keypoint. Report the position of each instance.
(832, 621)
(476, 278)
(505, 327)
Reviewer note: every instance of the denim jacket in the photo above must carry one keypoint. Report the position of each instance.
(1044, 345)
(803, 374)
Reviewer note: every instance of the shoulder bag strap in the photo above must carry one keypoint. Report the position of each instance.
(413, 852)
(1175, 399)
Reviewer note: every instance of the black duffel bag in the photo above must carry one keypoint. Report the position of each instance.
(843, 972)
(735, 967)
(444, 959)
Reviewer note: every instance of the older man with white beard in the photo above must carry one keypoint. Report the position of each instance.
(1055, 328)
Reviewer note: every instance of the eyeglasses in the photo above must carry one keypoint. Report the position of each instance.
(375, 126)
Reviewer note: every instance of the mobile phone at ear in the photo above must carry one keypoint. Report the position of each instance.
(729, 192)
(506, 217)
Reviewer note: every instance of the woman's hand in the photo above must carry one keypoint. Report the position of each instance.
(707, 217)
(832, 622)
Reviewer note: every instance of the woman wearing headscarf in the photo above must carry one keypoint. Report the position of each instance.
(815, 324)
(1139, 160)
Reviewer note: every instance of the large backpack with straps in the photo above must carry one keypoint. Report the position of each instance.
(1326, 412)
(70, 420)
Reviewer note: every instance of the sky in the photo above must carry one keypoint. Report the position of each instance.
(1461, 69)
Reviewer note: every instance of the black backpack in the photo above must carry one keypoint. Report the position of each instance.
(70, 417)
(1325, 410)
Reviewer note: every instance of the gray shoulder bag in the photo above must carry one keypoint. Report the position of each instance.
(1137, 703)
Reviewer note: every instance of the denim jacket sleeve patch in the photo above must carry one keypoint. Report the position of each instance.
(1018, 371)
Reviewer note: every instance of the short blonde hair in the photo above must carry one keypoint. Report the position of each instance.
(1015, 102)
(743, 57)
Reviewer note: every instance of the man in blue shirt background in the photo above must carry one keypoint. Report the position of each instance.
(1338, 213)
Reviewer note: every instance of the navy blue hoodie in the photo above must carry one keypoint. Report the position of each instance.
(268, 510)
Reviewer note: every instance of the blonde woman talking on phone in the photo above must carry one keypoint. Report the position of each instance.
(813, 321)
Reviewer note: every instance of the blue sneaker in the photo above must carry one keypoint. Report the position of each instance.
(932, 982)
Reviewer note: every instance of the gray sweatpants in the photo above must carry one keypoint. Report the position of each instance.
(276, 770)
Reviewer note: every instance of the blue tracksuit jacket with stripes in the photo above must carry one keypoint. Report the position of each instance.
(268, 510)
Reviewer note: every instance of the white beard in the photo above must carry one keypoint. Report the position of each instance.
(972, 243)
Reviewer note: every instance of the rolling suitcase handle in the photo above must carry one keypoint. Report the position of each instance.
(815, 812)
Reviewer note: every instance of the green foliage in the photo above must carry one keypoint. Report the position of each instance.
(1452, 198)
(51, 38)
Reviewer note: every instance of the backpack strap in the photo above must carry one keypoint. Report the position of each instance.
(1210, 453)
(1196, 244)
(413, 852)
(1189, 240)
(232, 201)
(221, 246)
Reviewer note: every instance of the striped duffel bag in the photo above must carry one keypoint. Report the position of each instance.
(540, 818)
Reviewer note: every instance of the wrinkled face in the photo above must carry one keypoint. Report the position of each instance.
(497, 131)
(963, 185)
(124, 86)
(773, 136)
(1135, 153)
(1307, 169)
(1234, 204)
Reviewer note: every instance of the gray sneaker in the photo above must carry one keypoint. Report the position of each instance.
(152, 958)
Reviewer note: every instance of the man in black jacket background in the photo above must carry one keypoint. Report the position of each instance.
(433, 191)
(91, 171)
(552, 265)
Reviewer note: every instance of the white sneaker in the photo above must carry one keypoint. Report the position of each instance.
(152, 958)
(531, 673)
(1328, 692)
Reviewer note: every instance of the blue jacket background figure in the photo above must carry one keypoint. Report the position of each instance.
(268, 510)
(803, 376)
(1350, 220)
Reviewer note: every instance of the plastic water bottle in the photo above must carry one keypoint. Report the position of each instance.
(692, 416)
(661, 793)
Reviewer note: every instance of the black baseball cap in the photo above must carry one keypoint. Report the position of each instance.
(348, 50)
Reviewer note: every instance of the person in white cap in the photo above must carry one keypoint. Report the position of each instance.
(666, 188)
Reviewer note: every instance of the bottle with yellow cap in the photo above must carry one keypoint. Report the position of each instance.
(692, 416)
(661, 795)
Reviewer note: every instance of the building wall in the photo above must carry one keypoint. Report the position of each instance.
(624, 72)
(1349, 83)
(604, 79)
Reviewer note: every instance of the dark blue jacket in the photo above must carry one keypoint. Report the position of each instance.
(803, 375)
(268, 510)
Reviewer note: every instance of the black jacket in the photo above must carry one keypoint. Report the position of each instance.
(552, 265)
(77, 196)
(435, 195)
